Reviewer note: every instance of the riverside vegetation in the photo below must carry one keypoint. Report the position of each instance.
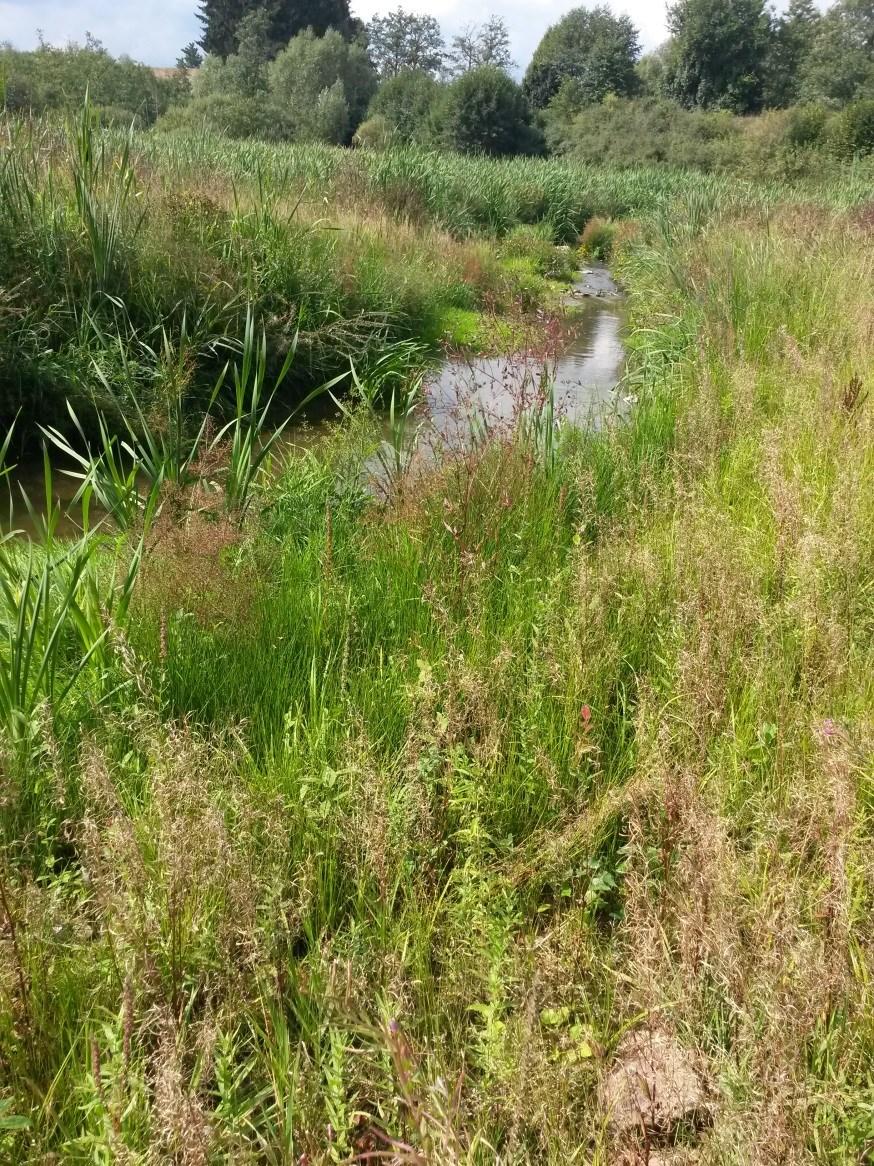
(339, 827)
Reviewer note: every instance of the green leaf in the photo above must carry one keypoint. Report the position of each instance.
(555, 1017)
(11, 1121)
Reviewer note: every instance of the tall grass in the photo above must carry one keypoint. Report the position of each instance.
(381, 824)
(113, 244)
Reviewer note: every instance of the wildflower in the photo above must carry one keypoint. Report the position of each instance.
(831, 732)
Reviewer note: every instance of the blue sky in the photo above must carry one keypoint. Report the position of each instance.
(153, 31)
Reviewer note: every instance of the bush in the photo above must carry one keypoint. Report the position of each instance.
(320, 87)
(592, 50)
(375, 133)
(233, 115)
(534, 245)
(853, 131)
(407, 103)
(598, 239)
(633, 133)
(57, 79)
(806, 126)
(316, 89)
(784, 144)
(485, 112)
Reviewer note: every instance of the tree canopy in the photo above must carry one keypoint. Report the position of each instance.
(221, 20)
(840, 65)
(792, 37)
(404, 40)
(405, 103)
(481, 44)
(719, 54)
(321, 86)
(486, 112)
(591, 48)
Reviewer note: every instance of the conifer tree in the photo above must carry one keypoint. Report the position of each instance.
(221, 19)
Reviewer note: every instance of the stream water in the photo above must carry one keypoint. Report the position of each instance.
(584, 373)
(481, 391)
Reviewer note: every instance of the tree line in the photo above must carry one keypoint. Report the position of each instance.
(310, 70)
(336, 80)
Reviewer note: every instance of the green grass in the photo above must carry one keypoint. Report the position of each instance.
(111, 256)
(389, 817)
(109, 243)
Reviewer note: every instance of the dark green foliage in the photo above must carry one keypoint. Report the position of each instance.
(854, 131)
(404, 40)
(594, 50)
(293, 16)
(190, 58)
(407, 102)
(221, 20)
(840, 65)
(806, 126)
(792, 39)
(719, 54)
(485, 112)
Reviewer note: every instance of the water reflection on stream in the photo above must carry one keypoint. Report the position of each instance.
(475, 391)
(584, 378)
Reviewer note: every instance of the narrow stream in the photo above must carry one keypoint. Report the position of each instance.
(481, 391)
(584, 374)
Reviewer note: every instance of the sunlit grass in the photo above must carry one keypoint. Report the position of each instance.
(346, 818)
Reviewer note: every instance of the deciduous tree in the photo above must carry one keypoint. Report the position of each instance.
(320, 87)
(594, 49)
(792, 40)
(719, 54)
(484, 44)
(403, 40)
(406, 103)
(840, 65)
(486, 112)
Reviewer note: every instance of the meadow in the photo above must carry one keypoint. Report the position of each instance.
(117, 248)
(340, 826)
